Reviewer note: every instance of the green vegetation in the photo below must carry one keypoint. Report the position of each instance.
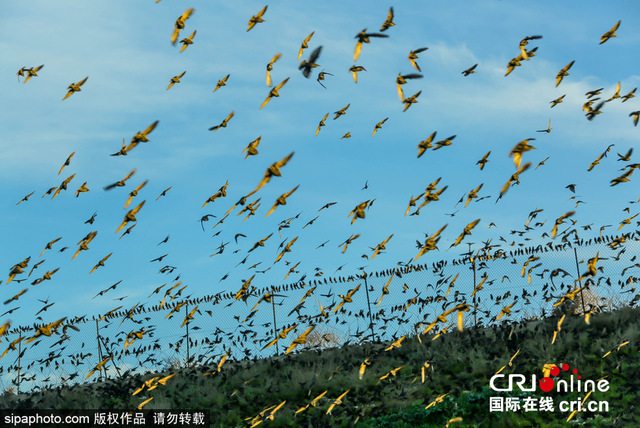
(460, 365)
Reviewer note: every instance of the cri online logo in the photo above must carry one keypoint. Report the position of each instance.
(547, 383)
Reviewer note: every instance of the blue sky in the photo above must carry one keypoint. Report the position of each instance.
(124, 49)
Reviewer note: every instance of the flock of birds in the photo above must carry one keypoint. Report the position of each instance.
(249, 204)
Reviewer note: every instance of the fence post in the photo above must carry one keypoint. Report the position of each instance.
(475, 301)
(187, 324)
(99, 346)
(19, 365)
(366, 287)
(575, 252)
(275, 325)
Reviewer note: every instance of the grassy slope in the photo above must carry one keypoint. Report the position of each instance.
(461, 364)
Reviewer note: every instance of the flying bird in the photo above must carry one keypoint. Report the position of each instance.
(31, 72)
(255, 19)
(413, 56)
(275, 58)
(175, 79)
(609, 34)
(388, 23)
(364, 37)
(187, 41)
(222, 82)
(75, 87)
(562, 73)
(470, 70)
(274, 92)
(224, 123)
(310, 63)
(305, 44)
(179, 25)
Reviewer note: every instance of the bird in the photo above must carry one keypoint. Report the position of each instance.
(134, 193)
(255, 19)
(130, 216)
(122, 182)
(100, 263)
(388, 22)
(557, 101)
(275, 58)
(635, 115)
(321, 123)
(252, 148)
(221, 193)
(626, 157)
(402, 79)
(141, 136)
(274, 92)
(179, 25)
(364, 37)
(355, 69)
(321, 77)
(63, 185)
(628, 96)
(609, 34)
(67, 162)
(82, 189)
(222, 82)
(413, 55)
(380, 247)
(75, 87)
(482, 162)
(341, 112)
(224, 123)
(520, 148)
(564, 72)
(187, 41)
(470, 70)
(310, 63)
(465, 232)
(282, 200)
(31, 72)
(358, 211)
(273, 171)
(548, 130)
(379, 125)
(616, 94)
(524, 42)
(305, 44)
(411, 100)
(26, 198)
(175, 79)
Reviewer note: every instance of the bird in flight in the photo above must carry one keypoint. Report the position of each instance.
(470, 70)
(179, 25)
(274, 92)
(321, 77)
(275, 58)
(364, 37)
(548, 130)
(307, 65)
(564, 72)
(388, 23)
(175, 79)
(255, 19)
(187, 41)
(413, 56)
(609, 34)
(305, 44)
(224, 123)
(31, 72)
(222, 82)
(75, 87)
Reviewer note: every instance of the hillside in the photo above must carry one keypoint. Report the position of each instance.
(460, 364)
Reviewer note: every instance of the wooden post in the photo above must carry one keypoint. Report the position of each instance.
(475, 300)
(366, 287)
(99, 347)
(275, 325)
(187, 312)
(19, 365)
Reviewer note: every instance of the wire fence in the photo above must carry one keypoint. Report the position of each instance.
(492, 284)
